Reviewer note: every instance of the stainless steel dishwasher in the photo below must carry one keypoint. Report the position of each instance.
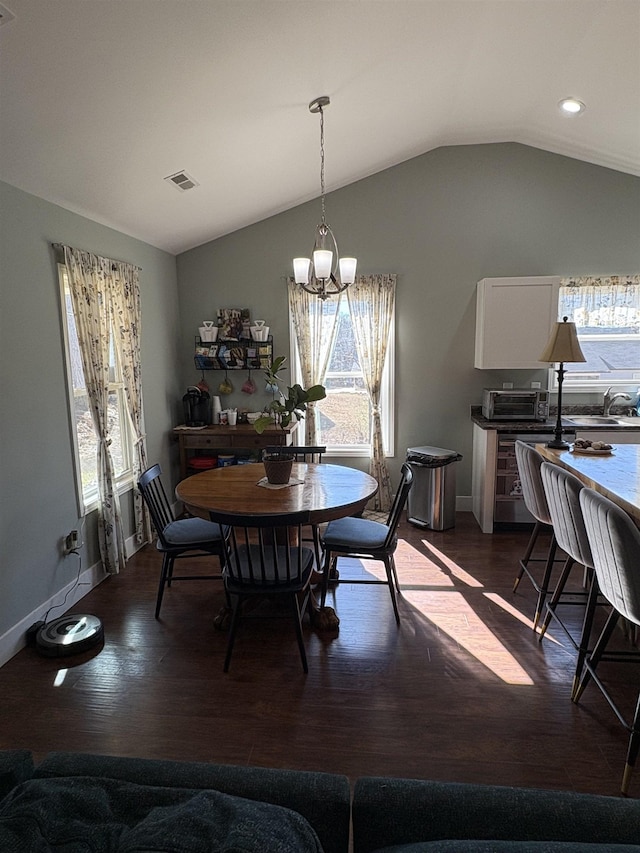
(509, 504)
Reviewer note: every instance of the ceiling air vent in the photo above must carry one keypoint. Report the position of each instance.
(182, 181)
(5, 15)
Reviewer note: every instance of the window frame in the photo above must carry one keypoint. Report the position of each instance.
(571, 386)
(387, 396)
(87, 501)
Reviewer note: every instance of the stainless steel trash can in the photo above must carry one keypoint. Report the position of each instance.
(432, 499)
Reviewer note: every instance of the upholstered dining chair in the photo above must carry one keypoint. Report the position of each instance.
(615, 547)
(184, 537)
(529, 461)
(562, 490)
(264, 556)
(370, 540)
(305, 453)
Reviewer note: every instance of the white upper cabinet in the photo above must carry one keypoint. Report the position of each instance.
(514, 318)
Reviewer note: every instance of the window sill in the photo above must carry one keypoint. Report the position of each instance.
(123, 486)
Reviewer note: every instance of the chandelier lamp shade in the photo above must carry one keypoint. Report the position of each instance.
(563, 345)
(325, 274)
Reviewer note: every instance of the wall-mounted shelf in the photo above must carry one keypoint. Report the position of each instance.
(243, 354)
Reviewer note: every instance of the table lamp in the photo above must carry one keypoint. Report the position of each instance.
(562, 346)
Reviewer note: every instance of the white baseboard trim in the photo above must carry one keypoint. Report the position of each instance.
(464, 503)
(14, 640)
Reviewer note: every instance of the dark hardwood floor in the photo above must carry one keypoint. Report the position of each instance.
(462, 691)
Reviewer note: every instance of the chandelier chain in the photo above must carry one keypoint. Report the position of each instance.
(322, 163)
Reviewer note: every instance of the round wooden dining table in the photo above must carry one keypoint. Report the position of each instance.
(326, 491)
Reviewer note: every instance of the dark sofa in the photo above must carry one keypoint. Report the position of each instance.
(74, 802)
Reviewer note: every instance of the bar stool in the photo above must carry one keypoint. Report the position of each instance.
(562, 491)
(529, 462)
(615, 547)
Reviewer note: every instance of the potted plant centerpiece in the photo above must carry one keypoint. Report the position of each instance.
(282, 411)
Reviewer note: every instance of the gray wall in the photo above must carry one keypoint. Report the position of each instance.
(442, 221)
(38, 502)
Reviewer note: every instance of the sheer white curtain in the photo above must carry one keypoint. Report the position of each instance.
(371, 303)
(105, 297)
(314, 322)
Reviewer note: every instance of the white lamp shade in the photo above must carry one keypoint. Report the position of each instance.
(322, 261)
(301, 270)
(348, 270)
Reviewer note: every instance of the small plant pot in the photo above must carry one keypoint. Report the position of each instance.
(278, 469)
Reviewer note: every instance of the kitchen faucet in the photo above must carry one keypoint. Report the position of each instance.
(609, 400)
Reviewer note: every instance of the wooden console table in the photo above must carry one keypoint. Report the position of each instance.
(227, 439)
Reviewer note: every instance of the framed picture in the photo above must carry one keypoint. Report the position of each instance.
(234, 324)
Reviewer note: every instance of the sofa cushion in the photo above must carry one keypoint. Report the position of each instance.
(389, 812)
(323, 799)
(470, 846)
(80, 814)
(16, 765)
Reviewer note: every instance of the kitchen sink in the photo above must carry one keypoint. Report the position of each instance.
(587, 420)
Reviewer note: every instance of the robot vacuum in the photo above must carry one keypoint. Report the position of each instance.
(69, 635)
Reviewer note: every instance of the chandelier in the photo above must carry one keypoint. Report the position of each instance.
(327, 274)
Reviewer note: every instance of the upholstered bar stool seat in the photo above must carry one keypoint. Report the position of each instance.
(562, 491)
(615, 546)
(529, 462)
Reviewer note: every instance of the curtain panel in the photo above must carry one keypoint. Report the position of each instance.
(371, 303)
(106, 305)
(315, 324)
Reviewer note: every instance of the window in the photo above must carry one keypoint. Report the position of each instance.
(345, 413)
(606, 312)
(85, 442)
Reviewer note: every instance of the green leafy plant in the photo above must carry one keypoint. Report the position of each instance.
(288, 407)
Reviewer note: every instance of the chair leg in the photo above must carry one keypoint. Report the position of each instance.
(592, 661)
(632, 750)
(395, 575)
(316, 546)
(325, 576)
(165, 573)
(235, 616)
(390, 572)
(587, 625)
(297, 615)
(527, 554)
(551, 605)
(544, 583)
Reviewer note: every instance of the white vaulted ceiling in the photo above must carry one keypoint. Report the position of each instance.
(102, 99)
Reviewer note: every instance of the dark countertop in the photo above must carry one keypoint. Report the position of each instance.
(547, 426)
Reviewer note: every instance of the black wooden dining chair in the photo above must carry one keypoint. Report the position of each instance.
(300, 453)
(370, 540)
(264, 556)
(305, 453)
(184, 537)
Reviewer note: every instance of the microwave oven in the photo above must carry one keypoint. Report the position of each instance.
(514, 404)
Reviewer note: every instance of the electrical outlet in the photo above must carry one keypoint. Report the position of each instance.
(70, 542)
(536, 385)
(507, 385)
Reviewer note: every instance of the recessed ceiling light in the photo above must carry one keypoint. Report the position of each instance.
(571, 107)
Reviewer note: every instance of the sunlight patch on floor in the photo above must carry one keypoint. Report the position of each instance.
(450, 565)
(453, 615)
(513, 611)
